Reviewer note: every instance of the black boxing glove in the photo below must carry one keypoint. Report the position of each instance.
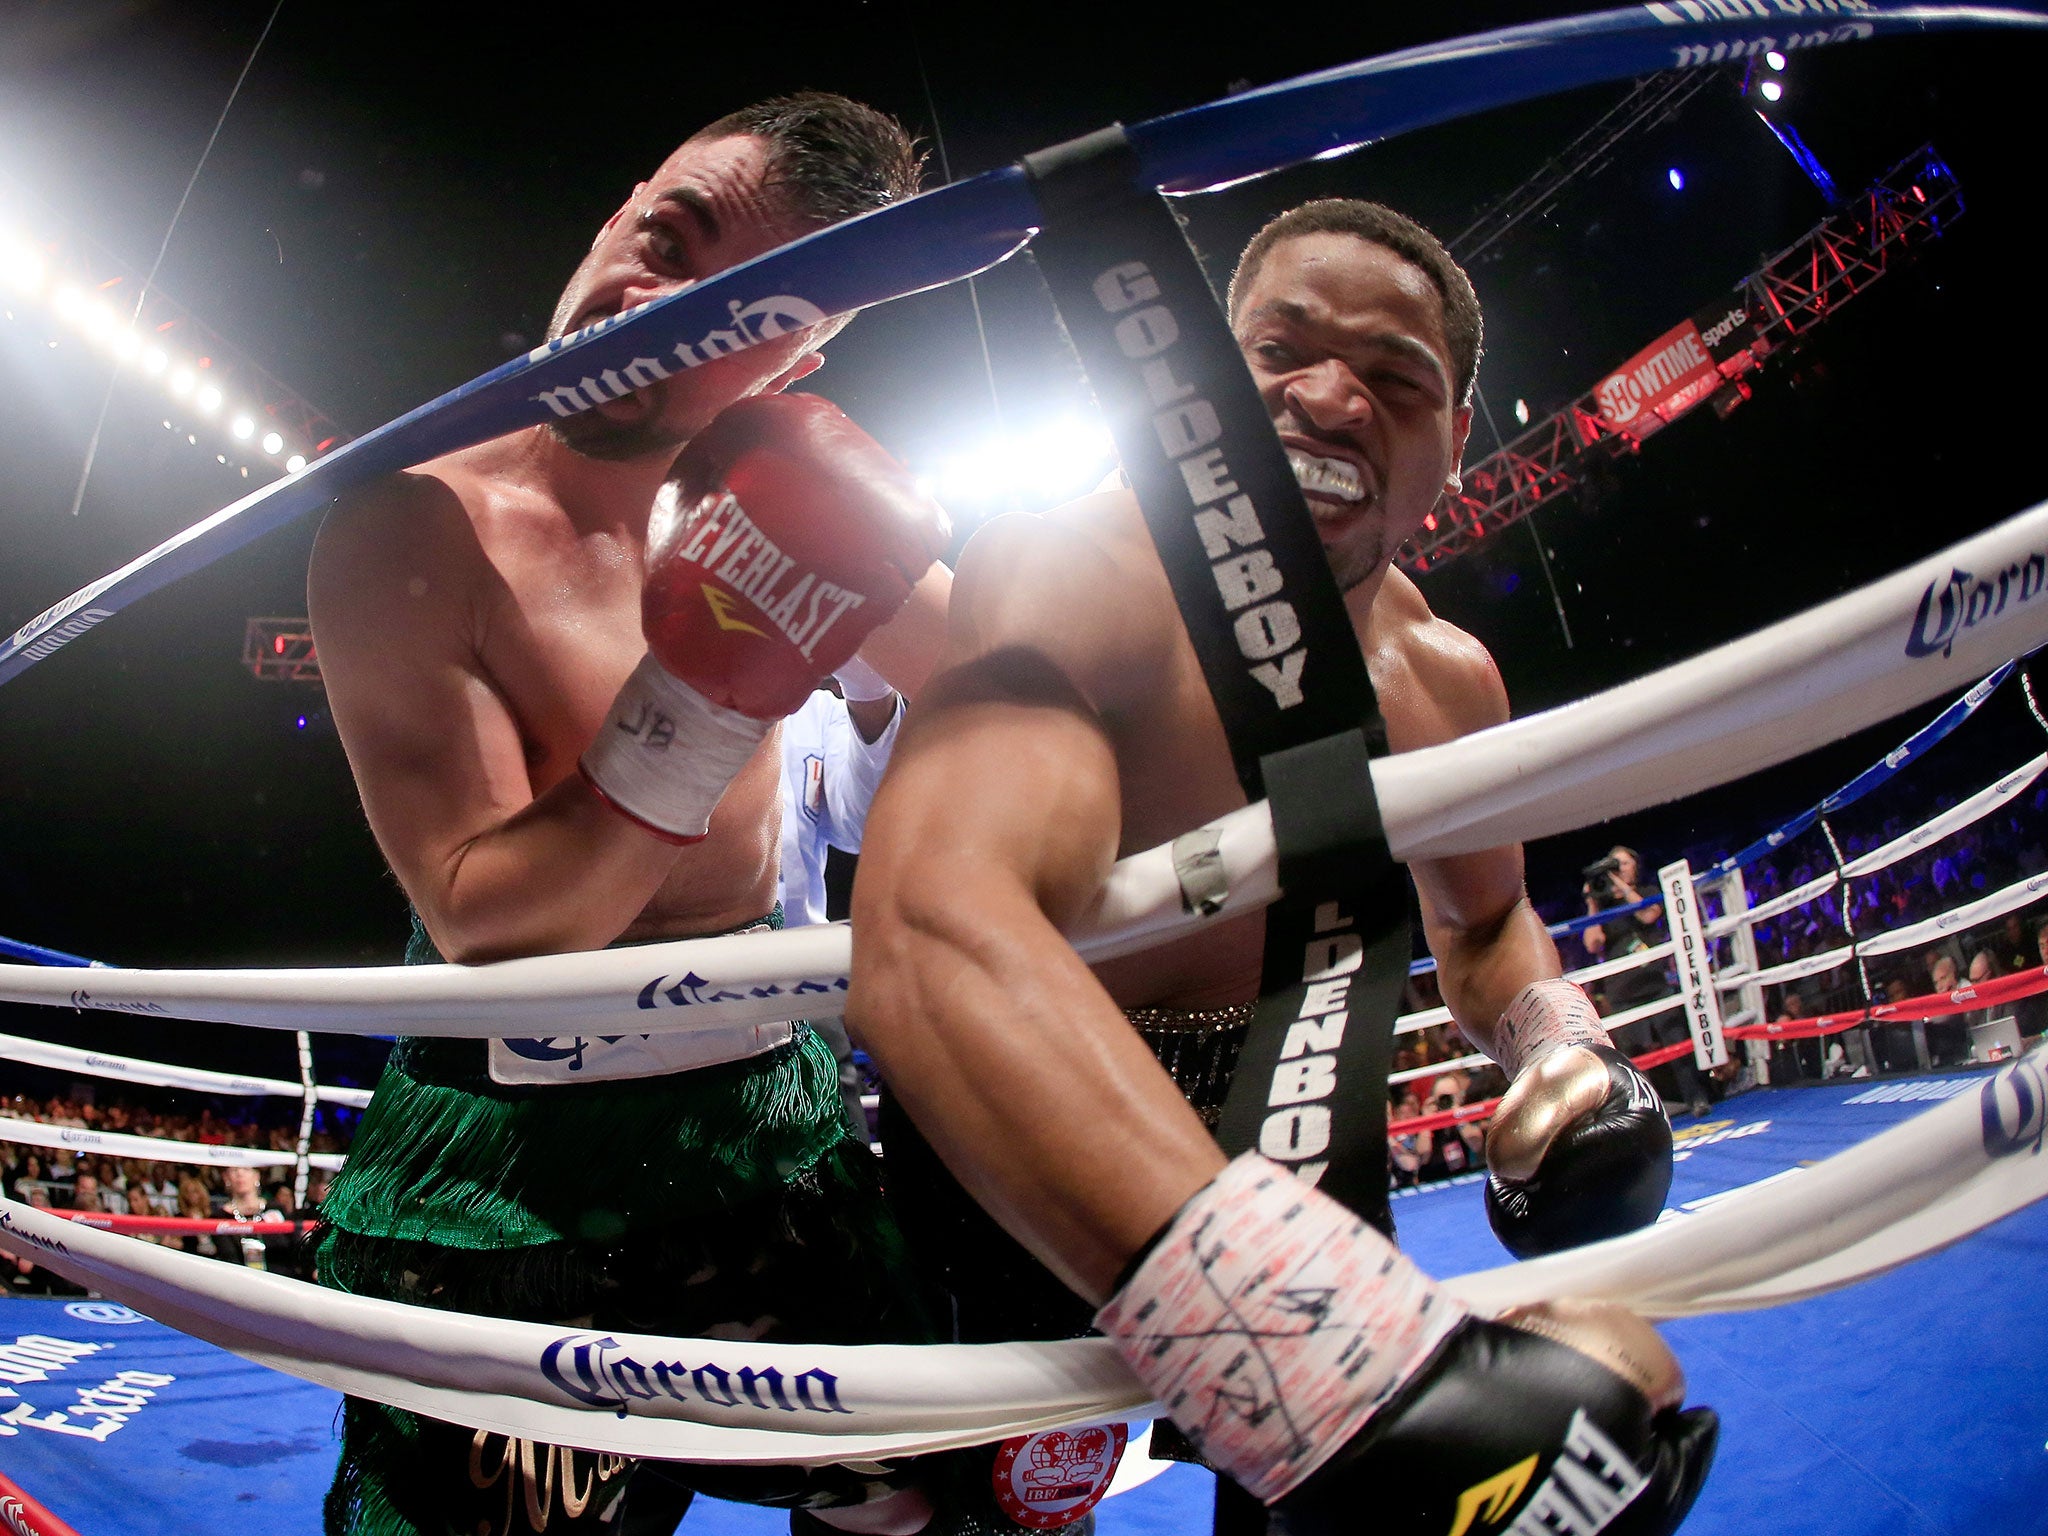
(1558, 1420)
(1580, 1147)
(1317, 1367)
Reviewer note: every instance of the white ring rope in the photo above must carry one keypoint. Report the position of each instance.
(1808, 680)
(160, 1074)
(1988, 799)
(1919, 1186)
(1890, 941)
(71, 1138)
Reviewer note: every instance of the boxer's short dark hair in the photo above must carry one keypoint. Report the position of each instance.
(833, 157)
(1380, 225)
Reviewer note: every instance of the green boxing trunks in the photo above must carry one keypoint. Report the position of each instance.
(728, 1201)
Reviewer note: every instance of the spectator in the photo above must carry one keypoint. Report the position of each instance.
(85, 1193)
(194, 1202)
(245, 1203)
(1795, 1058)
(2016, 943)
(1407, 1153)
(1941, 972)
(139, 1205)
(28, 1183)
(1610, 883)
(2032, 1012)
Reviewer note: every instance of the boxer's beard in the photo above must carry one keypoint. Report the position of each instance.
(615, 442)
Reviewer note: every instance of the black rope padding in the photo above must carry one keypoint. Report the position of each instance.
(1277, 649)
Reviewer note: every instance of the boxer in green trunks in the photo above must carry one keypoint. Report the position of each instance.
(549, 765)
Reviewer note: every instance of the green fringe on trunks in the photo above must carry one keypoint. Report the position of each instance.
(445, 1155)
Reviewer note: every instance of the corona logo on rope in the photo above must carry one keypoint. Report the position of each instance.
(2014, 1106)
(1682, 13)
(1966, 600)
(595, 1369)
(763, 320)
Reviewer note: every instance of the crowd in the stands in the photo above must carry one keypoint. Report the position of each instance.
(61, 1178)
(1981, 859)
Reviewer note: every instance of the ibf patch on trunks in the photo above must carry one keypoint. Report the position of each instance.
(1056, 1476)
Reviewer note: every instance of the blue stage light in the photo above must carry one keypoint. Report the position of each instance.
(1677, 179)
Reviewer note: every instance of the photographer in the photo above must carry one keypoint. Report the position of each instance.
(1613, 882)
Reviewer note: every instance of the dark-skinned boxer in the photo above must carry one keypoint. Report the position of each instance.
(1070, 725)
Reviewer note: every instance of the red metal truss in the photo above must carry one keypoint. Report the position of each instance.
(280, 650)
(1791, 293)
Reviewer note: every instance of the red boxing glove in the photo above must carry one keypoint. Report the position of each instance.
(783, 538)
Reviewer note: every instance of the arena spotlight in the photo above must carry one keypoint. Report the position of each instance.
(272, 444)
(1043, 466)
(1677, 179)
(243, 428)
(295, 463)
(209, 399)
(181, 382)
(1775, 59)
(1771, 90)
(155, 360)
(21, 265)
(1522, 412)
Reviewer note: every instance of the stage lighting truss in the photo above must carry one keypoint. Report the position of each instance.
(227, 404)
(280, 651)
(1791, 293)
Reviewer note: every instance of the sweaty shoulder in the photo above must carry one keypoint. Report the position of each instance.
(1436, 682)
(1072, 585)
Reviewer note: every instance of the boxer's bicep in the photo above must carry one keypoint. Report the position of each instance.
(995, 826)
(435, 752)
(1004, 771)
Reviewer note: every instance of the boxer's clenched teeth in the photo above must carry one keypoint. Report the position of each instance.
(1326, 477)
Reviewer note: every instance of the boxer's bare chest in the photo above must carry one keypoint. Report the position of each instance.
(556, 620)
(1175, 773)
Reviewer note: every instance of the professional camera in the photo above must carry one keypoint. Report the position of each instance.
(1602, 878)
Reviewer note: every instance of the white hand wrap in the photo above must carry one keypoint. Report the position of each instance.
(1545, 1016)
(1272, 1323)
(665, 753)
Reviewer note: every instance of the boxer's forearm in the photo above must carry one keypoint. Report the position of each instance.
(566, 873)
(1024, 1076)
(1481, 967)
(995, 826)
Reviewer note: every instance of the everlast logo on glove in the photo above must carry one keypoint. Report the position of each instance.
(725, 542)
(1590, 1483)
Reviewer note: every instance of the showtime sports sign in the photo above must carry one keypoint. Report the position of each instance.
(1667, 378)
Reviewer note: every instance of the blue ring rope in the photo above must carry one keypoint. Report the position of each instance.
(1883, 769)
(956, 231)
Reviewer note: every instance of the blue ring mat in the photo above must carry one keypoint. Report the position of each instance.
(1912, 1405)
